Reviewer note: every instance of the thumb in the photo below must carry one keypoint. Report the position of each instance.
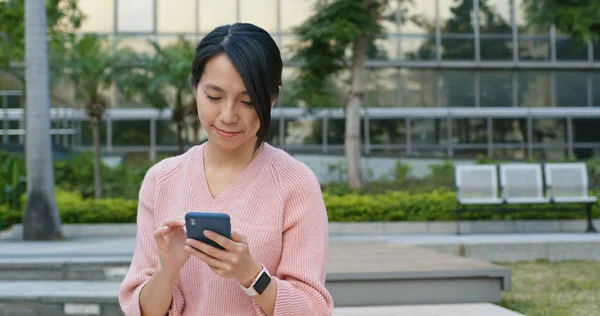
(238, 237)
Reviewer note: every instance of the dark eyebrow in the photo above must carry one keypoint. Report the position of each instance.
(219, 89)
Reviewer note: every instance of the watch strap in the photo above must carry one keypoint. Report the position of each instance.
(259, 284)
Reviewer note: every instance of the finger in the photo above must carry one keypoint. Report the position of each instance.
(219, 239)
(174, 222)
(207, 249)
(211, 261)
(162, 231)
(217, 270)
(238, 237)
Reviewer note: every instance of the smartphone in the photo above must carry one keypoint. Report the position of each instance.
(197, 222)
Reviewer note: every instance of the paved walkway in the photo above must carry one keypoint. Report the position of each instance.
(482, 309)
(92, 249)
(124, 246)
(104, 292)
(452, 239)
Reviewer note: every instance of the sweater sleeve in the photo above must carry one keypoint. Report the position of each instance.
(145, 257)
(301, 273)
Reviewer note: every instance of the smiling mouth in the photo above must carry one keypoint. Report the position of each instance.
(226, 134)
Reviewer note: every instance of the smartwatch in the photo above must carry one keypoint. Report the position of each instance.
(259, 284)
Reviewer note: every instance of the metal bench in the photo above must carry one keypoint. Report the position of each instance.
(476, 185)
(567, 183)
(522, 184)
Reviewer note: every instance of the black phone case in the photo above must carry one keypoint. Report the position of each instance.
(197, 222)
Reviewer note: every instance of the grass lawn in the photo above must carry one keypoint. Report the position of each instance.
(543, 288)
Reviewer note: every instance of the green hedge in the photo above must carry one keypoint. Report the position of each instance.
(74, 210)
(438, 205)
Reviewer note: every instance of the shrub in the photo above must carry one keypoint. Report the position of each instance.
(74, 209)
(13, 180)
(438, 205)
(77, 174)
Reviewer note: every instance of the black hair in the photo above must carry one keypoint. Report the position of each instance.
(255, 55)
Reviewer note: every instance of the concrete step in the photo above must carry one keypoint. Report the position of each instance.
(482, 284)
(477, 309)
(64, 268)
(59, 298)
(78, 298)
(358, 274)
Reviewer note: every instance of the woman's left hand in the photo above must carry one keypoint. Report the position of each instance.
(234, 261)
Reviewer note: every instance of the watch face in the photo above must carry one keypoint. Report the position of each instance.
(262, 283)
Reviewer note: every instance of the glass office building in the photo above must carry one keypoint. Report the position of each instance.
(455, 78)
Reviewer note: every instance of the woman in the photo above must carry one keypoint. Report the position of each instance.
(274, 264)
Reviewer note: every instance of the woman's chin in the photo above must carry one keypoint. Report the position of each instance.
(228, 144)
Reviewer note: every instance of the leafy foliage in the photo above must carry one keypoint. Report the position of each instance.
(324, 40)
(161, 80)
(63, 18)
(88, 63)
(578, 18)
(13, 182)
(437, 205)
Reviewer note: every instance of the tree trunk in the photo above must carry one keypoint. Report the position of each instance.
(352, 135)
(180, 136)
(179, 118)
(196, 128)
(41, 220)
(95, 122)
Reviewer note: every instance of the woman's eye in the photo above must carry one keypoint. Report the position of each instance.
(248, 103)
(213, 98)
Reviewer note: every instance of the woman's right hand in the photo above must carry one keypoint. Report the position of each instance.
(170, 239)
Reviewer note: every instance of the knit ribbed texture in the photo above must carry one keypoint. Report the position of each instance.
(276, 202)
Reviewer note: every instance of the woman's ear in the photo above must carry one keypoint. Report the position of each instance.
(275, 98)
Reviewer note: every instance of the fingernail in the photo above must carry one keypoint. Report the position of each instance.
(182, 221)
(206, 233)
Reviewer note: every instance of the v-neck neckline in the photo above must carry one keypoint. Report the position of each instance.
(241, 182)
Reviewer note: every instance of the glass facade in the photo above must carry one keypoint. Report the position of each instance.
(481, 55)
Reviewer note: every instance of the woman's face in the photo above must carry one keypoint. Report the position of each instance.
(224, 106)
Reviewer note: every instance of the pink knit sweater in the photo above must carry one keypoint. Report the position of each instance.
(276, 202)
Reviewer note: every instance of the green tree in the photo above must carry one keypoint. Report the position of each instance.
(338, 27)
(161, 80)
(63, 18)
(41, 220)
(579, 19)
(89, 65)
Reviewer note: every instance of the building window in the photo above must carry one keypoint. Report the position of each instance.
(100, 16)
(418, 88)
(176, 17)
(294, 13)
(495, 88)
(136, 16)
(535, 88)
(262, 13)
(216, 13)
(495, 29)
(456, 19)
(457, 88)
(571, 88)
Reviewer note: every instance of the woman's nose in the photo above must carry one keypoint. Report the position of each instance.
(229, 114)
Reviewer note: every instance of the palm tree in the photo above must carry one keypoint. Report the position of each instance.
(88, 66)
(161, 80)
(41, 220)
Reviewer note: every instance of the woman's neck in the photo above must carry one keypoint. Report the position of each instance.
(217, 158)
